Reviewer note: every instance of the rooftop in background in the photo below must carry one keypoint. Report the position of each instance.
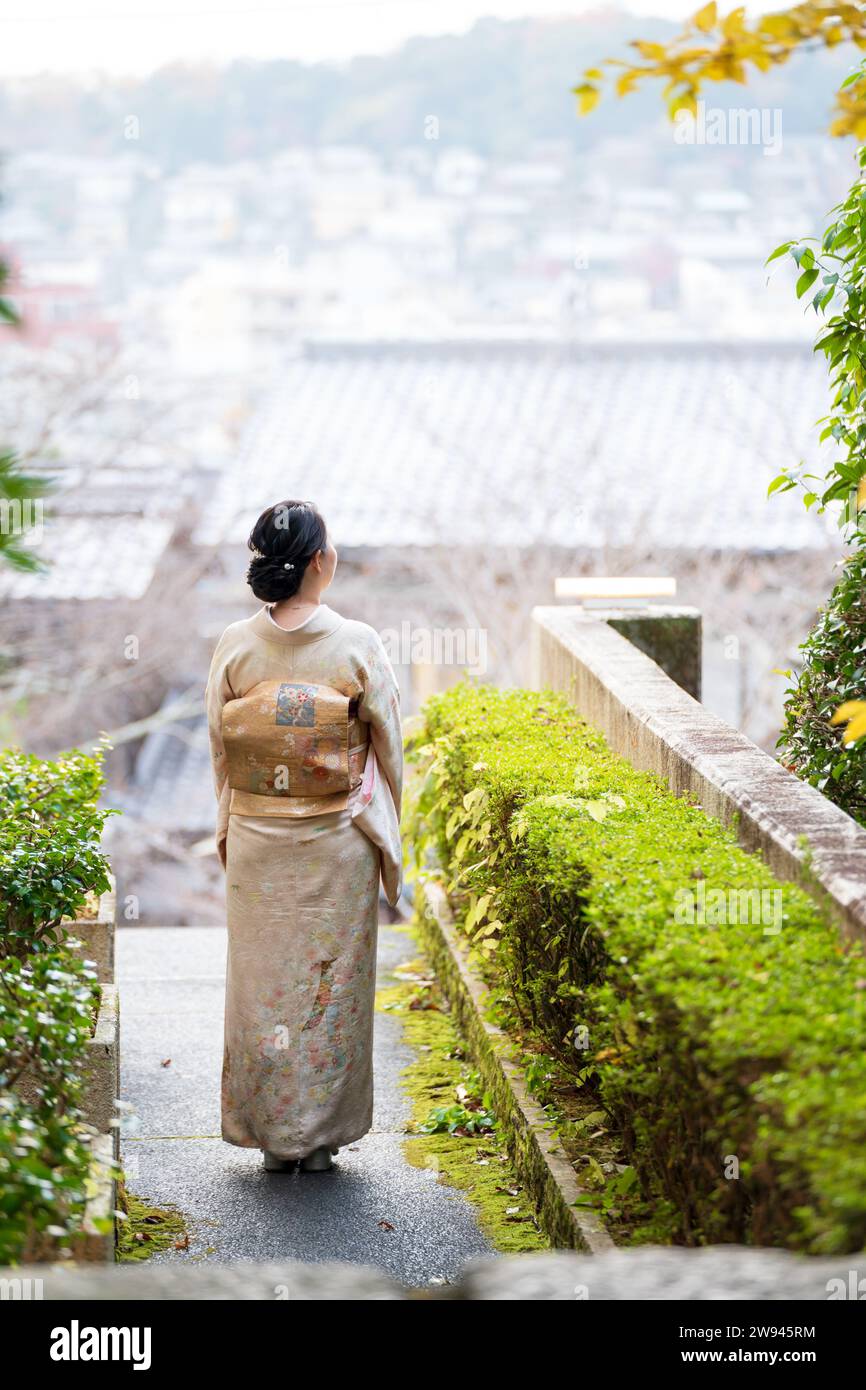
(524, 443)
(93, 557)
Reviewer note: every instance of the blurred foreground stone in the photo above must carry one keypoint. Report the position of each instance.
(719, 1272)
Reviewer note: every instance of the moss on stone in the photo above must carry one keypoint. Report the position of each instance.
(672, 641)
(477, 1165)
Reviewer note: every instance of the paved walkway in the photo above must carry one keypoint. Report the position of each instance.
(171, 1001)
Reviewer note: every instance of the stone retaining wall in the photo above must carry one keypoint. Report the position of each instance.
(655, 724)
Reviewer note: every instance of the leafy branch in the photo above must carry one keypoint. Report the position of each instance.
(722, 48)
(833, 274)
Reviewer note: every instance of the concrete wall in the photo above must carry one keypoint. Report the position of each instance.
(660, 728)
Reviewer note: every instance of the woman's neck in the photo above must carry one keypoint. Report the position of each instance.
(296, 609)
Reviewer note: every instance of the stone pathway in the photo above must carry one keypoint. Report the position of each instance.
(171, 1003)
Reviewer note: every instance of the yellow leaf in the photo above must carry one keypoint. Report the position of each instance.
(686, 101)
(861, 493)
(856, 729)
(849, 710)
(777, 26)
(588, 99)
(734, 23)
(650, 50)
(705, 19)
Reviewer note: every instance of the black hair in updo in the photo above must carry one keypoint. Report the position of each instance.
(283, 541)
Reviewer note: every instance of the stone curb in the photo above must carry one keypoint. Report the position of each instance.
(540, 1162)
(90, 1244)
(102, 1068)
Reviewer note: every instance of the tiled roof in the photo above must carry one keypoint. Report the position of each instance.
(526, 444)
(93, 557)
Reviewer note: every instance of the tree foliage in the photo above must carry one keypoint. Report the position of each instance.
(19, 494)
(714, 47)
(8, 312)
(825, 693)
(832, 273)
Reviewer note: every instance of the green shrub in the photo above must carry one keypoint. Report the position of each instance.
(50, 860)
(50, 846)
(833, 671)
(46, 1018)
(29, 784)
(718, 1049)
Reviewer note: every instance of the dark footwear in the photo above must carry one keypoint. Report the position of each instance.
(319, 1161)
(275, 1164)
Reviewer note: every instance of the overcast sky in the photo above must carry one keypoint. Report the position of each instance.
(131, 36)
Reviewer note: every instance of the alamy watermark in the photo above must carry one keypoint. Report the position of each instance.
(719, 125)
(20, 1289)
(854, 1288)
(701, 906)
(437, 646)
(21, 516)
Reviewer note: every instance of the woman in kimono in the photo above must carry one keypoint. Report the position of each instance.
(304, 722)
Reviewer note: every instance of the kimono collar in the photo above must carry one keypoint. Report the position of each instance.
(323, 622)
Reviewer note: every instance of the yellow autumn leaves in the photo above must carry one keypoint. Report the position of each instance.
(722, 48)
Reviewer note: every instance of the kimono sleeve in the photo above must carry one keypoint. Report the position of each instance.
(217, 693)
(380, 707)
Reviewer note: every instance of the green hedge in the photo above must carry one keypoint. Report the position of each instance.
(50, 846)
(46, 1019)
(50, 859)
(717, 1048)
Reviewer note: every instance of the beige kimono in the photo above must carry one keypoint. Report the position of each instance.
(302, 889)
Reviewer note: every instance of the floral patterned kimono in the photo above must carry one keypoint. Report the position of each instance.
(302, 877)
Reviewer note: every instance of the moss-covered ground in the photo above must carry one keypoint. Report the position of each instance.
(451, 1129)
(146, 1228)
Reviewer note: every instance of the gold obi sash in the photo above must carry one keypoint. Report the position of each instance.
(292, 749)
